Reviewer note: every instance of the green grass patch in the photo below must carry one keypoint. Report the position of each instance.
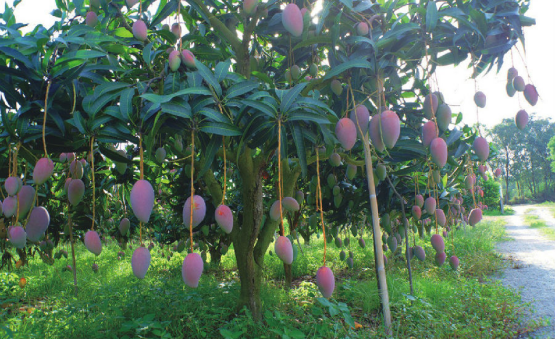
(112, 303)
(497, 212)
(535, 222)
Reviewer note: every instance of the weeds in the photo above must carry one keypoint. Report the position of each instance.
(113, 304)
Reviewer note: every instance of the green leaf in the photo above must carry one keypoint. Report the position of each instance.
(209, 77)
(210, 153)
(214, 115)
(222, 69)
(18, 56)
(319, 39)
(360, 62)
(177, 108)
(168, 9)
(290, 96)
(79, 122)
(126, 103)
(240, 89)
(302, 115)
(431, 16)
(298, 138)
(160, 99)
(147, 53)
(220, 128)
(262, 107)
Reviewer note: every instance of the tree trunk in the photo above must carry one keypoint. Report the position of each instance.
(244, 237)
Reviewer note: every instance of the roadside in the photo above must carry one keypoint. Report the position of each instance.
(532, 271)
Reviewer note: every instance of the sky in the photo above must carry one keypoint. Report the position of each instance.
(536, 66)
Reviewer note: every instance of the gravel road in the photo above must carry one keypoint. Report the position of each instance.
(532, 271)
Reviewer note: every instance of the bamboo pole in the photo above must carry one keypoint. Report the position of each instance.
(380, 268)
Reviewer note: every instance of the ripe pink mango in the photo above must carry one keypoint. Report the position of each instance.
(26, 197)
(17, 236)
(292, 20)
(75, 191)
(416, 212)
(443, 116)
(430, 205)
(93, 243)
(12, 185)
(454, 262)
(140, 261)
(440, 258)
(375, 134)
(76, 169)
(92, 19)
(63, 157)
(124, 226)
(345, 130)
(437, 243)
(419, 253)
(140, 30)
(290, 204)
(174, 61)
(249, 7)
(475, 216)
(192, 269)
(440, 217)
(199, 211)
(362, 28)
(9, 206)
(480, 99)
(38, 222)
(438, 149)
(430, 106)
(325, 281)
(497, 172)
(43, 170)
(391, 128)
(284, 249)
(274, 211)
(531, 94)
(429, 133)
(70, 157)
(188, 58)
(142, 200)
(363, 115)
(419, 200)
(521, 119)
(224, 218)
(481, 148)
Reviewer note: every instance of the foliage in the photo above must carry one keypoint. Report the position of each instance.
(525, 158)
(101, 89)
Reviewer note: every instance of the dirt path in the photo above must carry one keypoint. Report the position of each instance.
(533, 268)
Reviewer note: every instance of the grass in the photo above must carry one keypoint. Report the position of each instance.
(497, 212)
(535, 222)
(112, 303)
